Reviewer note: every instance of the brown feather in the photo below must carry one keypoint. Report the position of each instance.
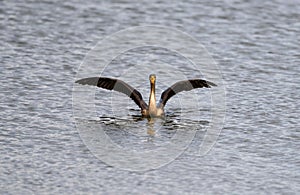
(116, 85)
(180, 86)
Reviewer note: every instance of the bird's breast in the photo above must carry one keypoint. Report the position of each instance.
(160, 112)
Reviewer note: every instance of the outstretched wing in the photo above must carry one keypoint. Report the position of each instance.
(186, 85)
(116, 85)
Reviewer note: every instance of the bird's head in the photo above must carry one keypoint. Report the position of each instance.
(152, 78)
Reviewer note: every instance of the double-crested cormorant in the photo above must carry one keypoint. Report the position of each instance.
(150, 110)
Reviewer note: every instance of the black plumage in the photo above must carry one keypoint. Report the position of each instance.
(180, 86)
(116, 85)
(121, 86)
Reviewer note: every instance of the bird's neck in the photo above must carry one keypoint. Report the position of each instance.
(152, 99)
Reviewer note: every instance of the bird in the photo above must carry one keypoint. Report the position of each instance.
(152, 110)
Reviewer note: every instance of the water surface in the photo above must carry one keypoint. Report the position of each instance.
(256, 45)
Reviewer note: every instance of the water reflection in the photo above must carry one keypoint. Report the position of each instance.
(136, 143)
(150, 126)
(139, 126)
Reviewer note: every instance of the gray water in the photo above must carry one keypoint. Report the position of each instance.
(256, 45)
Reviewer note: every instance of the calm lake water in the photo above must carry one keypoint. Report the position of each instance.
(256, 47)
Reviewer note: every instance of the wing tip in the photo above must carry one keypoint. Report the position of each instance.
(88, 81)
(211, 84)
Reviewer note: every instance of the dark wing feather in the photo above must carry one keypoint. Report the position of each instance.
(116, 85)
(180, 86)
